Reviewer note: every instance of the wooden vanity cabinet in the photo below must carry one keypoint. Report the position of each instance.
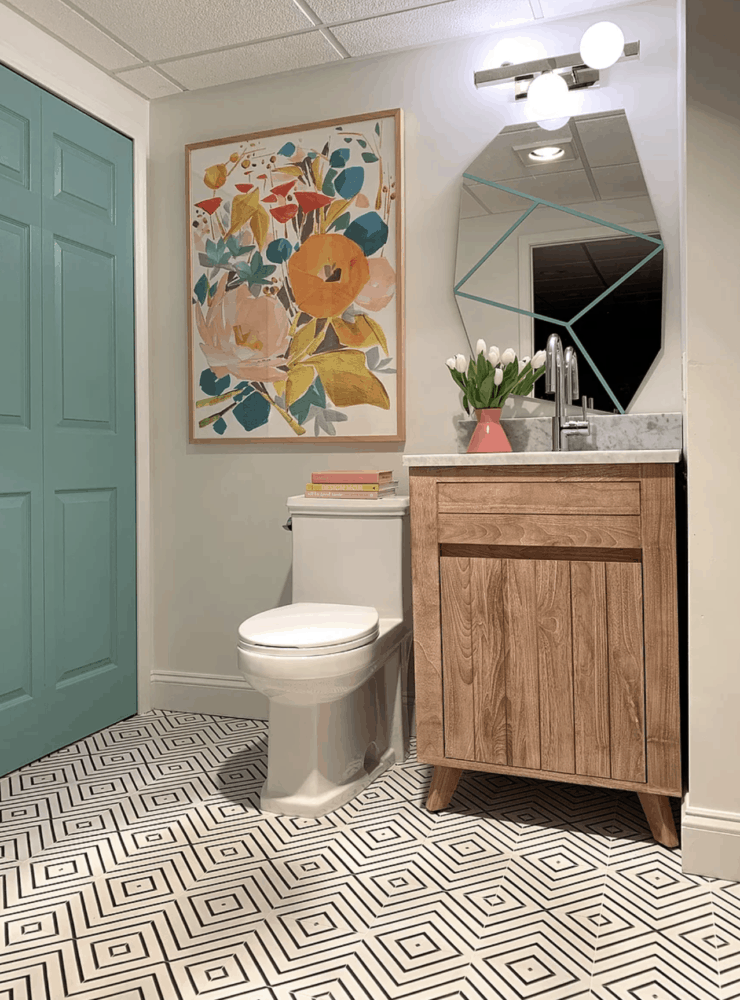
(545, 627)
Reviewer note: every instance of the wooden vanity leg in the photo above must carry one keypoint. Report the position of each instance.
(442, 788)
(659, 815)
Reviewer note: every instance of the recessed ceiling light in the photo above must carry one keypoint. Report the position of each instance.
(546, 153)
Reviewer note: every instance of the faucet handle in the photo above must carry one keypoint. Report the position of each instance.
(585, 403)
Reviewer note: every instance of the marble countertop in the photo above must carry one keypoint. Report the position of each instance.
(545, 458)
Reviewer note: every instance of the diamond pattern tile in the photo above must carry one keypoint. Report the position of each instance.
(137, 865)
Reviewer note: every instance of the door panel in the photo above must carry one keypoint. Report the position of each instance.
(543, 664)
(88, 420)
(522, 675)
(22, 706)
(67, 473)
(17, 683)
(590, 669)
(555, 657)
(626, 670)
(84, 310)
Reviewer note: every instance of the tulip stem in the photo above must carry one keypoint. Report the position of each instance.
(295, 426)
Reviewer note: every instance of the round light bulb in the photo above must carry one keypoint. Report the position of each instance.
(602, 44)
(547, 95)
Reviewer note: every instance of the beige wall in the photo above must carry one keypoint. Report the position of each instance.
(712, 311)
(220, 554)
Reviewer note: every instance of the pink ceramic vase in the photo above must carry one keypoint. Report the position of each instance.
(489, 435)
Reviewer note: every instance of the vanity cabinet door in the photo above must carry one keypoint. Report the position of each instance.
(543, 664)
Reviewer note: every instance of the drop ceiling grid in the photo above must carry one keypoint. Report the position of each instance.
(161, 47)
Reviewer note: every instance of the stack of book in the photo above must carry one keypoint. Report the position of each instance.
(353, 484)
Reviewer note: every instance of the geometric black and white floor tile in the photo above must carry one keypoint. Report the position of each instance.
(136, 865)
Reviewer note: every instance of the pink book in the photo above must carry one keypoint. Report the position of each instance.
(351, 476)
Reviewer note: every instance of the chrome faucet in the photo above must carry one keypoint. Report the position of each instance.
(561, 378)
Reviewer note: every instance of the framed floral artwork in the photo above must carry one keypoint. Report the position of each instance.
(295, 283)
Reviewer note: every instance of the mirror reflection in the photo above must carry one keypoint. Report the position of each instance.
(557, 234)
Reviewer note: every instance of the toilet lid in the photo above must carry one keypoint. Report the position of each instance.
(310, 629)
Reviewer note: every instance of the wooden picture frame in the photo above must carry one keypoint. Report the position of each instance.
(295, 283)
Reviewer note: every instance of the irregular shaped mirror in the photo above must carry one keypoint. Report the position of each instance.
(557, 234)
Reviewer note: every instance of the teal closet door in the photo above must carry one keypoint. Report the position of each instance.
(22, 692)
(67, 453)
(89, 455)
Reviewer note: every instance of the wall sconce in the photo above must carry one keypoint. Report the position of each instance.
(601, 46)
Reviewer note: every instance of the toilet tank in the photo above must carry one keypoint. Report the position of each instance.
(353, 552)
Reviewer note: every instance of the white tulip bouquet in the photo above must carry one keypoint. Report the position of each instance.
(490, 378)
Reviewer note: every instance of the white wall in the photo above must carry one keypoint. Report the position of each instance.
(711, 828)
(219, 551)
(30, 51)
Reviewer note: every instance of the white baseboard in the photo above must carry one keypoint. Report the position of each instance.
(211, 694)
(710, 842)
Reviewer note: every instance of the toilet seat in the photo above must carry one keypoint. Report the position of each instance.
(309, 629)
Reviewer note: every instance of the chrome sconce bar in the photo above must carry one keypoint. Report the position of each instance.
(578, 76)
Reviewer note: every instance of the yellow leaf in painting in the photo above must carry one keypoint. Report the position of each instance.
(362, 333)
(336, 208)
(259, 223)
(347, 380)
(290, 170)
(279, 387)
(243, 207)
(316, 171)
(215, 176)
(302, 339)
(299, 381)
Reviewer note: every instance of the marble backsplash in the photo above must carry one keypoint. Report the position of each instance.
(608, 432)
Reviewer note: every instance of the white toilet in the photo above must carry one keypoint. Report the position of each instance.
(333, 664)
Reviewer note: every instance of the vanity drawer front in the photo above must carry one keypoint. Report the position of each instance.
(539, 498)
(591, 531)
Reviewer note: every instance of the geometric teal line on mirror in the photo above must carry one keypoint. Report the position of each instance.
(563, 208)
(495, 246)
(617, 283)
(557, 322)
(524, 312)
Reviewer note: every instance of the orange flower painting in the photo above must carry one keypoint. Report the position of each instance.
(295, 315)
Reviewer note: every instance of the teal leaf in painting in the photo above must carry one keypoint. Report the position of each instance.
(327, 187)
(254, 271)
(201, 288)
(377, 128)
(252, 412)
(314, 394)
(369, 232)
(278, 251)
(339, 158)
(237, 251)
(211, 385)
(350, 181)
(341, 223)
(362, 143)
(217, 253)
(220, 425)
(287, 150)
(369, 157)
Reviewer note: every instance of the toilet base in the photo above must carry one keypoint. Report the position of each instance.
(313, 804)
(319, 756)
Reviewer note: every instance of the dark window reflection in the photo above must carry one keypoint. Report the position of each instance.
(623, 333)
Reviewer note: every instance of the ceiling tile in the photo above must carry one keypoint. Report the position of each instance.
(431, 24)
(566, 8)
(60, 20)
(149, 82)
(249, 61)
(160, 29)
(351, 10)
